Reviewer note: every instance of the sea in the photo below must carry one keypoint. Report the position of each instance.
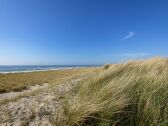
(33, 68)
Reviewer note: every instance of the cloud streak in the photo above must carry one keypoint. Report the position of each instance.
(133, 55)
(130, 34)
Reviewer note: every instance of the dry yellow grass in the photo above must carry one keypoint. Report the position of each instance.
(20, 81)
(130, 94)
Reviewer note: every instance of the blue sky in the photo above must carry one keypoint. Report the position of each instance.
(81, 31)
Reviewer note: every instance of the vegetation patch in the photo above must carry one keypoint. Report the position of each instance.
(129, 94)
(21, 81)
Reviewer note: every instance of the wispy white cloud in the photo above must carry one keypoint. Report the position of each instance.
(133, 55)
(130, 34)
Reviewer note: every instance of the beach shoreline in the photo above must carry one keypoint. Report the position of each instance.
(29, 71)
(40, 69)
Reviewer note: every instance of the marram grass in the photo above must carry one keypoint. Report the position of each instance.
(128, 94)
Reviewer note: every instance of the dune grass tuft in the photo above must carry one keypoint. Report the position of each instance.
(129, 94)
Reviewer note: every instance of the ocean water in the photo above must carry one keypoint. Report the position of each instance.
(31, 68)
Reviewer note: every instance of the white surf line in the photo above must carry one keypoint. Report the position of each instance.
(29, 71)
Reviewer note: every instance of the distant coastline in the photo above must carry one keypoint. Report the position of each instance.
(37, 68)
